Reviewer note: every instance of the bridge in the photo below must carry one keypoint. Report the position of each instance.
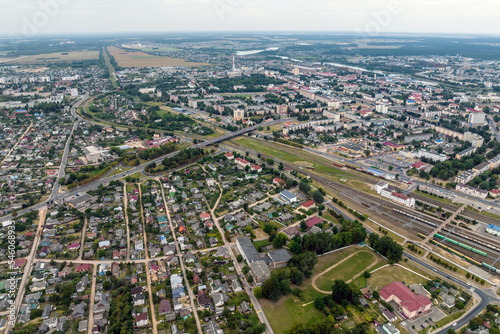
(138, 169)
(239, 133)
(437, 230)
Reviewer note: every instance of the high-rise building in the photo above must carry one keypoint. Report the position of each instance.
(477, 118)
(282, 109)
(239, 114)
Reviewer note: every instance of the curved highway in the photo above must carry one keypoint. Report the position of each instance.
(485, 296)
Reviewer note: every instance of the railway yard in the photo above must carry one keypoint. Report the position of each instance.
(475, 247)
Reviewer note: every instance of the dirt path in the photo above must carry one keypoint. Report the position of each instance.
(256, 304)
(82, 241)
(332, 267)
(125, 208)
(17, 143)
(377, 261)
(90, 327)
(148, 273)
(181, 261)
(28, 266)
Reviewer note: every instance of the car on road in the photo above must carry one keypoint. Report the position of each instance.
(454, 324)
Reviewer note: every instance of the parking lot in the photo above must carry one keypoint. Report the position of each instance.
(424, 321)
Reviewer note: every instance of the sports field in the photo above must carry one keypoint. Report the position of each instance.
(346, 270)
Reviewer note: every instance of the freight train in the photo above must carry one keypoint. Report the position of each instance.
(460, 234)
(414, 217)
(454, 242)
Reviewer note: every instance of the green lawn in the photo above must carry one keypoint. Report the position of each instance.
(375, 227)
(361, 282)
(448, 319)
(484, 213)
(389, 274)
(261, 243)
(346, 270)
(326, 261)
(267, 150)
(289, 310)
(159, 49)
(299, 157)
(442, 200)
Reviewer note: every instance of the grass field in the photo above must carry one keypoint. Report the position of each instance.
(111, 69)
(119, 170)
(484, 213)
(300, 157)
(127, 58)
(289, 310)
(375, 227)
(54, 57)
(326, 261)
(448, 319)
(418, 249)
(262, 243)
(346, 270)
(442, 200)
(389, 274)
(268, 150)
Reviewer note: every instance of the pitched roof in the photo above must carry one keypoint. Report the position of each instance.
(409, 300)
(313, 221)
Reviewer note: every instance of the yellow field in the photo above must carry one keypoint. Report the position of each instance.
(53, 57)
(126, 58)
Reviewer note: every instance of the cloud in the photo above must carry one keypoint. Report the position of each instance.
(438, 16)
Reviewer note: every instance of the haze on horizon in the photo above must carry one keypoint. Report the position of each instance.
(115, 16)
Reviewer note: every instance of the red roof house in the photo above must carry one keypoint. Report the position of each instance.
(83, 267)
(309, 204)
(410, 304)
(313, 221)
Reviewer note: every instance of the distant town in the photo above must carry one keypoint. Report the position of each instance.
(210, 184)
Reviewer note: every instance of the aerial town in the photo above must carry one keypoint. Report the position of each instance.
(201, 186)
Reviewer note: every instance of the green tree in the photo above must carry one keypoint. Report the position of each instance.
(319, 303)
(280, 240)
(318, 197)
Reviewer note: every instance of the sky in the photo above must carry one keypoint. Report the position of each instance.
(31, 17)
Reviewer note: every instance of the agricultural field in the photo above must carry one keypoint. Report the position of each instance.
(126, 58)
(53, 58)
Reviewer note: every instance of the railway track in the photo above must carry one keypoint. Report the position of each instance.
(383, 210)
(452, 208)
(490, 247)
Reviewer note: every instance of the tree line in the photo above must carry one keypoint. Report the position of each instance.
(184, 157)
(386, 247)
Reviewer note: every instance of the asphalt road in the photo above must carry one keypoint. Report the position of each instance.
(64, 160)
(139, 169)
(416, 182)
(485, 297)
